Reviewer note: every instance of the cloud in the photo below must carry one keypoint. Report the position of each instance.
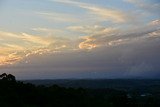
(88, 43)
(112, 15)
(108, 42)
(51, 32)
(15, 47)
(24, 45)
(97, 39)
(9, 59)
(149, 5)
(58, 17)
(9, 37)
(136, 59)
(35, 39)
(46, 30)
(113, 37)
(89, 29)
(155, 22)
(111, 53)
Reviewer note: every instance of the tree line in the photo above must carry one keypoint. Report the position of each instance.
(18, 94)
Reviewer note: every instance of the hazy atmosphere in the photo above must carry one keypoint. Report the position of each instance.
(57, 39)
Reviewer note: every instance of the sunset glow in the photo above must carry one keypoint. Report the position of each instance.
(76, 38)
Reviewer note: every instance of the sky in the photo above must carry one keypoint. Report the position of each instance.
(58, 39)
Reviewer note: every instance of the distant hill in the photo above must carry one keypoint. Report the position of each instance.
(94, 93)
(121, 84)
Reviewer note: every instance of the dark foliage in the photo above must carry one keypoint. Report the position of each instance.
(19, 94)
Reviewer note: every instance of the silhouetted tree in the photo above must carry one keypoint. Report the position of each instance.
(4, 75)
(8, 77)
(19, 94)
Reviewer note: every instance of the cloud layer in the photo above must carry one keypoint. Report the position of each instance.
(80, 39)
(108, 54)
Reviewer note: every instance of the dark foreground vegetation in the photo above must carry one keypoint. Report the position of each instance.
(18, 94)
